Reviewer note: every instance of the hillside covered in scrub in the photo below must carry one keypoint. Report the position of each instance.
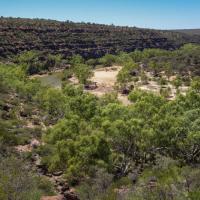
(65, 141)
(88, 40)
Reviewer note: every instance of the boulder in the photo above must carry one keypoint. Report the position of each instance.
(91, 86)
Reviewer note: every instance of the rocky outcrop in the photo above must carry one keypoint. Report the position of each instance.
(60, 184)
(69, 195)
(56, 178)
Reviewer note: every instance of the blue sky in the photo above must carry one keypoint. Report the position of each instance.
(160, 14)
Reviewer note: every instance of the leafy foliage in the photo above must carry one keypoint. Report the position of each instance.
(89, 137)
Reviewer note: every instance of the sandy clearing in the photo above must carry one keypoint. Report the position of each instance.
(105, 79)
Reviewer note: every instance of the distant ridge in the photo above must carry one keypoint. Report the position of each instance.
(189, 31)
(87, 39)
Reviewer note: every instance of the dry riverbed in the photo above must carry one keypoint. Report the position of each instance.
(105, 79)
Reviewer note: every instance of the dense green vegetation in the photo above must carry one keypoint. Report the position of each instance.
(182, 64)
(17, 182)
(147, 150)
(35, 62)
(17, 93)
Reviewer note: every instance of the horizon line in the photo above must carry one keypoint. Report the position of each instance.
(97, 23)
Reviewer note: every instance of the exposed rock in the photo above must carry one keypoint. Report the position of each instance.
(49, 175)
(23, 114)
(134, 73)
(7, 107)
(59, 173)
(152, 183)
(91, 86)
(35, 143)
(125, 91)
(23, 148)
(70, 195)
(59, 197)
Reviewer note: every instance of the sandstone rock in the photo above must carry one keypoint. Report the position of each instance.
(34, 143)
(70, 196)
(57, 173)
(49, 175)
(59, 197)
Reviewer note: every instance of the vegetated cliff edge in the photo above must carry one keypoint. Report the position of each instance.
(89, 40)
